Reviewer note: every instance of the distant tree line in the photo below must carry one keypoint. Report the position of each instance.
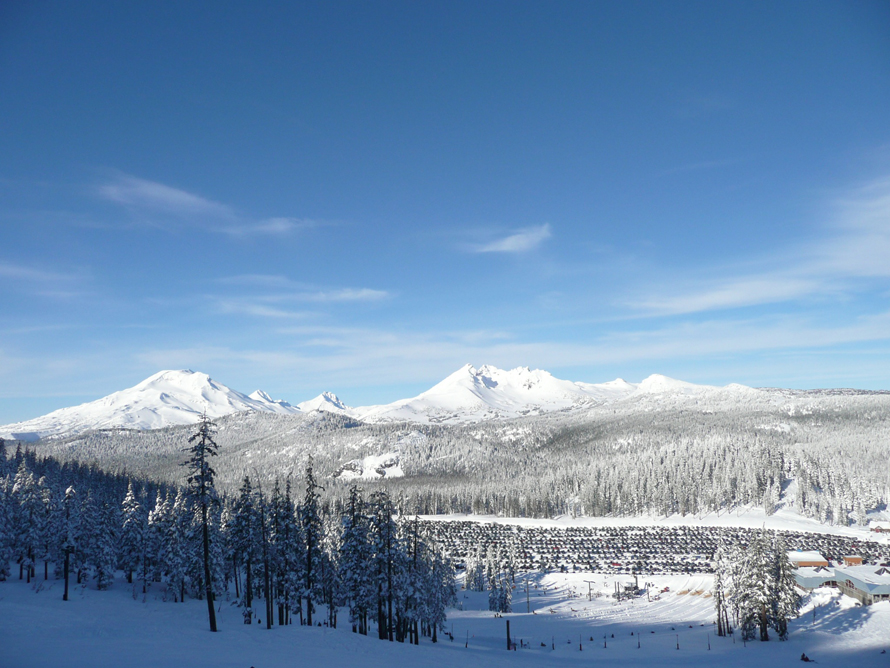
(823, 454)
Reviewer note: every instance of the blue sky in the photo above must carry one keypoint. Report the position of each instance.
(362, 197)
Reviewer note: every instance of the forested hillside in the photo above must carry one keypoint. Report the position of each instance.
(823, 452)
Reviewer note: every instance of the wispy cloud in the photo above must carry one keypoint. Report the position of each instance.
(143, 194)
(25, 273)
(854, 249)
(282, 289)
(734, 293)
(41, 282)
(157, 202)
(520, 241)
(270, 227)
(335, 357)
(241, 307)
(344, 295)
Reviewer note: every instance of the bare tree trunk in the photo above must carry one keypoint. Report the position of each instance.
(66, 567)
(207, 583)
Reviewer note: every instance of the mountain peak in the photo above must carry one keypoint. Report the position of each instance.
(470, 394)
(326, 401)
(274, 405)
(171, 397)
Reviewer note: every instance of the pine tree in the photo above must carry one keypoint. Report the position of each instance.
(786, 601)
(158, 536)
(46, 530)
(293, 549)
(3, 458)
(760, 586)
(331, 572)
(310, 520)
(176, 554)
(720, 591)
(106, 546)
(440, 591)
(68, 534)
(87, 537)
(385, 548)
(355, 555)
(265, 540)
(28, 511)
(201, 487)
(132, 542)
(245, 541)
(6, 526)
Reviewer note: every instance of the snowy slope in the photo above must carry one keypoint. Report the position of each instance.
(164, 399)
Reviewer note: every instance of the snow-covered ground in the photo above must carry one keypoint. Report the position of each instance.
(116, 628)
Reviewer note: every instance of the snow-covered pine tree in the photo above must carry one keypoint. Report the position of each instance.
(384, 545)
(439, 590)
(202, 490)
(755, 588)
(106, 557)
(47, 529)
(87, 535)
(278, 557)
(721, 590)
(476, 572)
(310, 521)
(330, 580)
(293, 548)
(27, 508)
(785, 599)
(132, 542)
(158, 535)
(176, 554)
(68, 533)
(245, 542)
(500, 594)
(355, 556)
(263, 517)
(218, 557)
(6, 526)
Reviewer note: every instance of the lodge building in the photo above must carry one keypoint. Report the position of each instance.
(867, 584)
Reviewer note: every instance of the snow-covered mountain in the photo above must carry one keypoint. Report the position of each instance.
(273, 405)
(471, 395)
(164, 399)
(467, 395)
(326, 401)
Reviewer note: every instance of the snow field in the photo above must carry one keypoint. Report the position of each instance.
(116, 628)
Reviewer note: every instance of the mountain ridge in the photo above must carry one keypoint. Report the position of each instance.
(468, 395)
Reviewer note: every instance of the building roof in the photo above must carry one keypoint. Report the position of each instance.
(872, 579)
(796, 556)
